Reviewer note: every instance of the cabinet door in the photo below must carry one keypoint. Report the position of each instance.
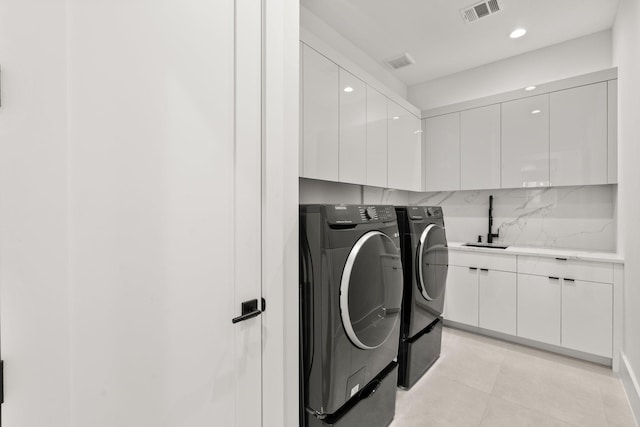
(612, 130)
(442, 152)
(319, 116)
(480, 148)
(497, 301)
(578, 129)
(376, 138)
(587, 316)
(539, 308)
(352, 158)
(525, 142)
(462, 295)
(404, 149)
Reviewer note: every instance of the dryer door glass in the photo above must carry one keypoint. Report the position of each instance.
(371, 290)
(433, 260)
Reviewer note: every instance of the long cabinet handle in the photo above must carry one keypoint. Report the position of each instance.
(554, 278)
(561, 259)
(484, 269)
(566, 279)
(472, 268)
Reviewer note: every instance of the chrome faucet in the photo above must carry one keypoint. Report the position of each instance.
(491, 235)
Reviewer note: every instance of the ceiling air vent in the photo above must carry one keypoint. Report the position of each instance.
(480, 10)
(400, 61)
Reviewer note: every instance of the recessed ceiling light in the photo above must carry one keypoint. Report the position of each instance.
(348, 89)
(529, 88)
(396, 117)
(517, 33)
(535, 111)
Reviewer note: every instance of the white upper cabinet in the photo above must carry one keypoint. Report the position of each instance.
(525, 142)
(612, 128)
(376, 138)
(480, 148)
(578, 129)
(352, 159)
(442, 152)
(404, 149)
(320, 106)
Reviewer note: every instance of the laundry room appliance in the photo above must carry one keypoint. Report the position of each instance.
(425, 259)
(350, 295)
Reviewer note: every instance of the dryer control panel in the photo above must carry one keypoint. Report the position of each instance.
(359, 214)
(418, 213)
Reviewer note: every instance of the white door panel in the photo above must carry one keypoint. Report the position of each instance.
(165, 207)
(539, 308)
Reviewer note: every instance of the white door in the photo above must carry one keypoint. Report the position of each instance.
(539, 308)
(462, 295)
(525, 142)
(442, 152)
(165, 190)
(578, 135)
(480, 148)
(320, 116)
(587, 316)
(352, 157)
(497, 300)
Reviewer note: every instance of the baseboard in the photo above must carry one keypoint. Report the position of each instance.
(631, 386)
(601, 360)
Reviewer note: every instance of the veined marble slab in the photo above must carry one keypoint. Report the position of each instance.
(556, 217)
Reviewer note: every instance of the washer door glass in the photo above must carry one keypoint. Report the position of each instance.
(371, 290)
(433, 261)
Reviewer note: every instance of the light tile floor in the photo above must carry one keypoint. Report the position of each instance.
(481, 381)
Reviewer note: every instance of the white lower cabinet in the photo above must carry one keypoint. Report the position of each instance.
(567, 303)
(462, 295)
(480, 293)
(563, 302)
(539, 308)
(497, 300)
(587, 316)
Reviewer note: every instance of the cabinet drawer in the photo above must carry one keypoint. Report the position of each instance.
(579, 270)
(499, 262)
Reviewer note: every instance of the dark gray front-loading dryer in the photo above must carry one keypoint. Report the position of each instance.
(425, 260)
(350, 295)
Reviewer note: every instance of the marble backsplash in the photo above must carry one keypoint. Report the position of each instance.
(581, 217)
(563, 217)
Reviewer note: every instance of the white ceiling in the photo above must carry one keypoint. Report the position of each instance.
(435, 35)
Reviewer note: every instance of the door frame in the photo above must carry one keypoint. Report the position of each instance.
(280, 212)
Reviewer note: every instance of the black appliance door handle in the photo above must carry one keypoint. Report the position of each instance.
(249, 310)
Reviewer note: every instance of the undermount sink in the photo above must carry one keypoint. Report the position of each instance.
(486, 245)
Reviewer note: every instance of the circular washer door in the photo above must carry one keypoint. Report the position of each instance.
(371, 290)
(433, 261)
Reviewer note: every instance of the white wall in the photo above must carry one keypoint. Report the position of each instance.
(34, 292)
(626, 39)
(579, 56)
(311, 23)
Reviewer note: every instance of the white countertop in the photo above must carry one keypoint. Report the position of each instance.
(546, 252)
